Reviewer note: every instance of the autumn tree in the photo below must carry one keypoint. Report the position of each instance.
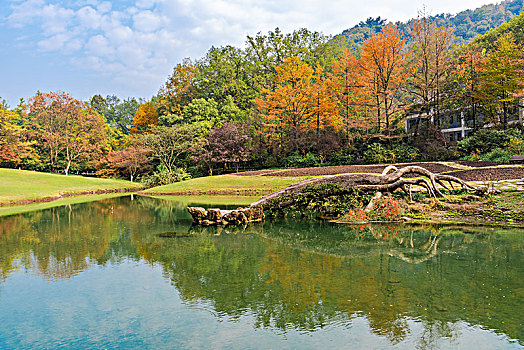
(130, 161)
(69, 130)
(350, 93)
(179, 89)
(13, 147)
(429, 60)
(287, 109)
(228, 144)
(382, 73)
(145, 117)
(324, 104)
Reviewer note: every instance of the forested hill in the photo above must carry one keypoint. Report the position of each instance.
(467, 24)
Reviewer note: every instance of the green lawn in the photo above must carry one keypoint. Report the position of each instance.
(21, 185)
(226, 185)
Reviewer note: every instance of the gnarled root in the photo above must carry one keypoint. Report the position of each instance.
(390, 180)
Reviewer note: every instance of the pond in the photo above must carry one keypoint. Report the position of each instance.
(131, 272)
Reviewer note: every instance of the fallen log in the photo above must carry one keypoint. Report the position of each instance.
(390, 180)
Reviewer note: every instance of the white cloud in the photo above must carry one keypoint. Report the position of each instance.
(54, 43)
(147, 21)
(138, 42)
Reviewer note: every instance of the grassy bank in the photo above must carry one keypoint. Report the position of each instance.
(225, 185)
(210, 200)
(504, 208)
(25, 187)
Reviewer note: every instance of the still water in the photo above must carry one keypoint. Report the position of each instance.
(133, 273)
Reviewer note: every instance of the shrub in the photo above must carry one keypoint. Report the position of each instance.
(482, 142)
(329, 199)
(405, 153)
(356, 215)
(302, 161)
(342, 157)
(386, 209)
(497, 155)
(515, 146)
(376, 153)
(163, 177)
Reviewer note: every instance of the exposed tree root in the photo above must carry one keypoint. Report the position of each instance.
(390, 180)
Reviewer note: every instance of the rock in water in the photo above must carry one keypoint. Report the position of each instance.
(240, 216)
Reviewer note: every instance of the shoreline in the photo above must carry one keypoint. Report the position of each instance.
(57, 197)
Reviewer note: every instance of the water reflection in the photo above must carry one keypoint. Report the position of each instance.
(290, 274)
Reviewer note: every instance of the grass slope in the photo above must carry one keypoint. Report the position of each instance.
(22, 185)
(226, 185)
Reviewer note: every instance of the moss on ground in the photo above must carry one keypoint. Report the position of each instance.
(226, 185)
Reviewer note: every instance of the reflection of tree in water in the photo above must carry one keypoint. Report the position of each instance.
(305, 275)
(62, 241)
(289, 274)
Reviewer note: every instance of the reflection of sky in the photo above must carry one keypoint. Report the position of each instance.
(132, 305)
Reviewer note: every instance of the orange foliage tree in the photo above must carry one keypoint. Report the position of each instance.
(324, 104)
(287, 109)
(145, 117)
(349, 89)
(69, 130)
(179, 90)
(382, 73)
(301, 102)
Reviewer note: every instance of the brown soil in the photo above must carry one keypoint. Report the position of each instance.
(483, 170)
(477, 163)
(489, 174)
(342, 169)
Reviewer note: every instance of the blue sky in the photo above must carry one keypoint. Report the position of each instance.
(128, 48)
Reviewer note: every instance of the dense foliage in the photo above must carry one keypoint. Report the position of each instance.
(467, 24)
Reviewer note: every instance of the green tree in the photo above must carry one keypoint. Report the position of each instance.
(223, 74)
(169, 143)
(502, 78)
(117, 112)
(266, 52)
